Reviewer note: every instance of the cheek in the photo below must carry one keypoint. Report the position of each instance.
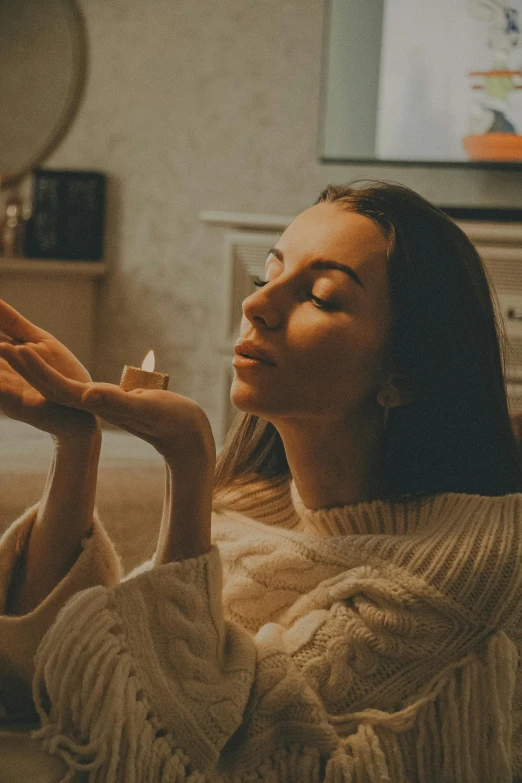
(348, 345)
(345, 361)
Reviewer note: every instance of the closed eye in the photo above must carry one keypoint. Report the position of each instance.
(321, 303)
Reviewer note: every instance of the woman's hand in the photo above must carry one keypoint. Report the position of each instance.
(176, 426)
(65, 512)
(18, 398)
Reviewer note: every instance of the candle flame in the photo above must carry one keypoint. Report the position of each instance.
(149, 362)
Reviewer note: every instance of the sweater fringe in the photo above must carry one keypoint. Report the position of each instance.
(469, 690)
(411, 745)
(99, 721)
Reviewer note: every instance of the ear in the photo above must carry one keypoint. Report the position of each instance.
(394, 393)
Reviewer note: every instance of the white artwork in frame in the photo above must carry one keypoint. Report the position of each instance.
(410, 81)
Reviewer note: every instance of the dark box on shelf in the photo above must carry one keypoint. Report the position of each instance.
(67, 217)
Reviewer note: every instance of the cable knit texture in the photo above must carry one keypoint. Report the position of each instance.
(20, 635)
(374, 643)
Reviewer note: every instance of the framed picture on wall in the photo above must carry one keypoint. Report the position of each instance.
(419, 81)
(68, 215)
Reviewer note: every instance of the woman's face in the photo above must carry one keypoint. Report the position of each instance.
(324, 329)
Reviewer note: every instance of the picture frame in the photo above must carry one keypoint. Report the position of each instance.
(408, 82)
(67, 215)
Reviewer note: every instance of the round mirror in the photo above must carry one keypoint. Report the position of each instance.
(43, 52)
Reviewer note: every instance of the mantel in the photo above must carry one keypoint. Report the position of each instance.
(37, 266)
(246, 221)
(481, 232)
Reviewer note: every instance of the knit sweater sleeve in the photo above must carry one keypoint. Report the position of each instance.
(150, 681)
(97, 564)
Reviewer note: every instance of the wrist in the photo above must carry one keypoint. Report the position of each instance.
(88, 434)
(186, 526)
(199, 455)
(194, 464)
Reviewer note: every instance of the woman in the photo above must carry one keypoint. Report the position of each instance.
(354, 612)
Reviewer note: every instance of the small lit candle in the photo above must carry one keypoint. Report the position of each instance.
(144, 378)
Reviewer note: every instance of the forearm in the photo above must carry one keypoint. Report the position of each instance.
(185, 526)
(63, 519)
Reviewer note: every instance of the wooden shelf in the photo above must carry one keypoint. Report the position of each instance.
(37, 266)
(58, 296)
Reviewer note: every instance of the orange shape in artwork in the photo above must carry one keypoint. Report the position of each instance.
(494, 146)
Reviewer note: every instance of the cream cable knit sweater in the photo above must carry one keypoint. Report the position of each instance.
(370, 643)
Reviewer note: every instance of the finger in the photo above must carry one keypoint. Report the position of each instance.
(8, 353)
(111, 400)
(5, 368)
(11, 390)
(4, 338)
(14, 325)
(9, 380)
(41, 376)
(104, 399)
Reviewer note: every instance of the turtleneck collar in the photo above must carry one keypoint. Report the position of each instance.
(371, 517)
(276, 502)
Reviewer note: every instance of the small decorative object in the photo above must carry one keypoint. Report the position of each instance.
(144, 378)
(12, 234)
(68, 215)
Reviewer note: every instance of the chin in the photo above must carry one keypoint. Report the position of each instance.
(269, 404)
(261, 411)
(247, 401)
(245, 406)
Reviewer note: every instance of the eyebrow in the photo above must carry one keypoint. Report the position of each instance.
(321, 263)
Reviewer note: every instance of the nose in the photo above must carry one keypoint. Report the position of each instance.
(260, 311)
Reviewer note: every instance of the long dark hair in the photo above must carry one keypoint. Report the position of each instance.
(448, 345)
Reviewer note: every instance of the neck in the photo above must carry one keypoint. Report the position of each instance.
(333, 463)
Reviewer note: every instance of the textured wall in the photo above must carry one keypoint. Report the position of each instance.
(198, 104)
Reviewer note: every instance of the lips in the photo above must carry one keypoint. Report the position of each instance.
(252, 351)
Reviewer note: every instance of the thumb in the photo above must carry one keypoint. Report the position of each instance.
(101, 394)
(107, 397)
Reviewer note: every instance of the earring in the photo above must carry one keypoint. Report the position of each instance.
(385, 417)
(384, 400)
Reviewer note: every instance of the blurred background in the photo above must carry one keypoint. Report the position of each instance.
(183, 137)
(150, 154)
